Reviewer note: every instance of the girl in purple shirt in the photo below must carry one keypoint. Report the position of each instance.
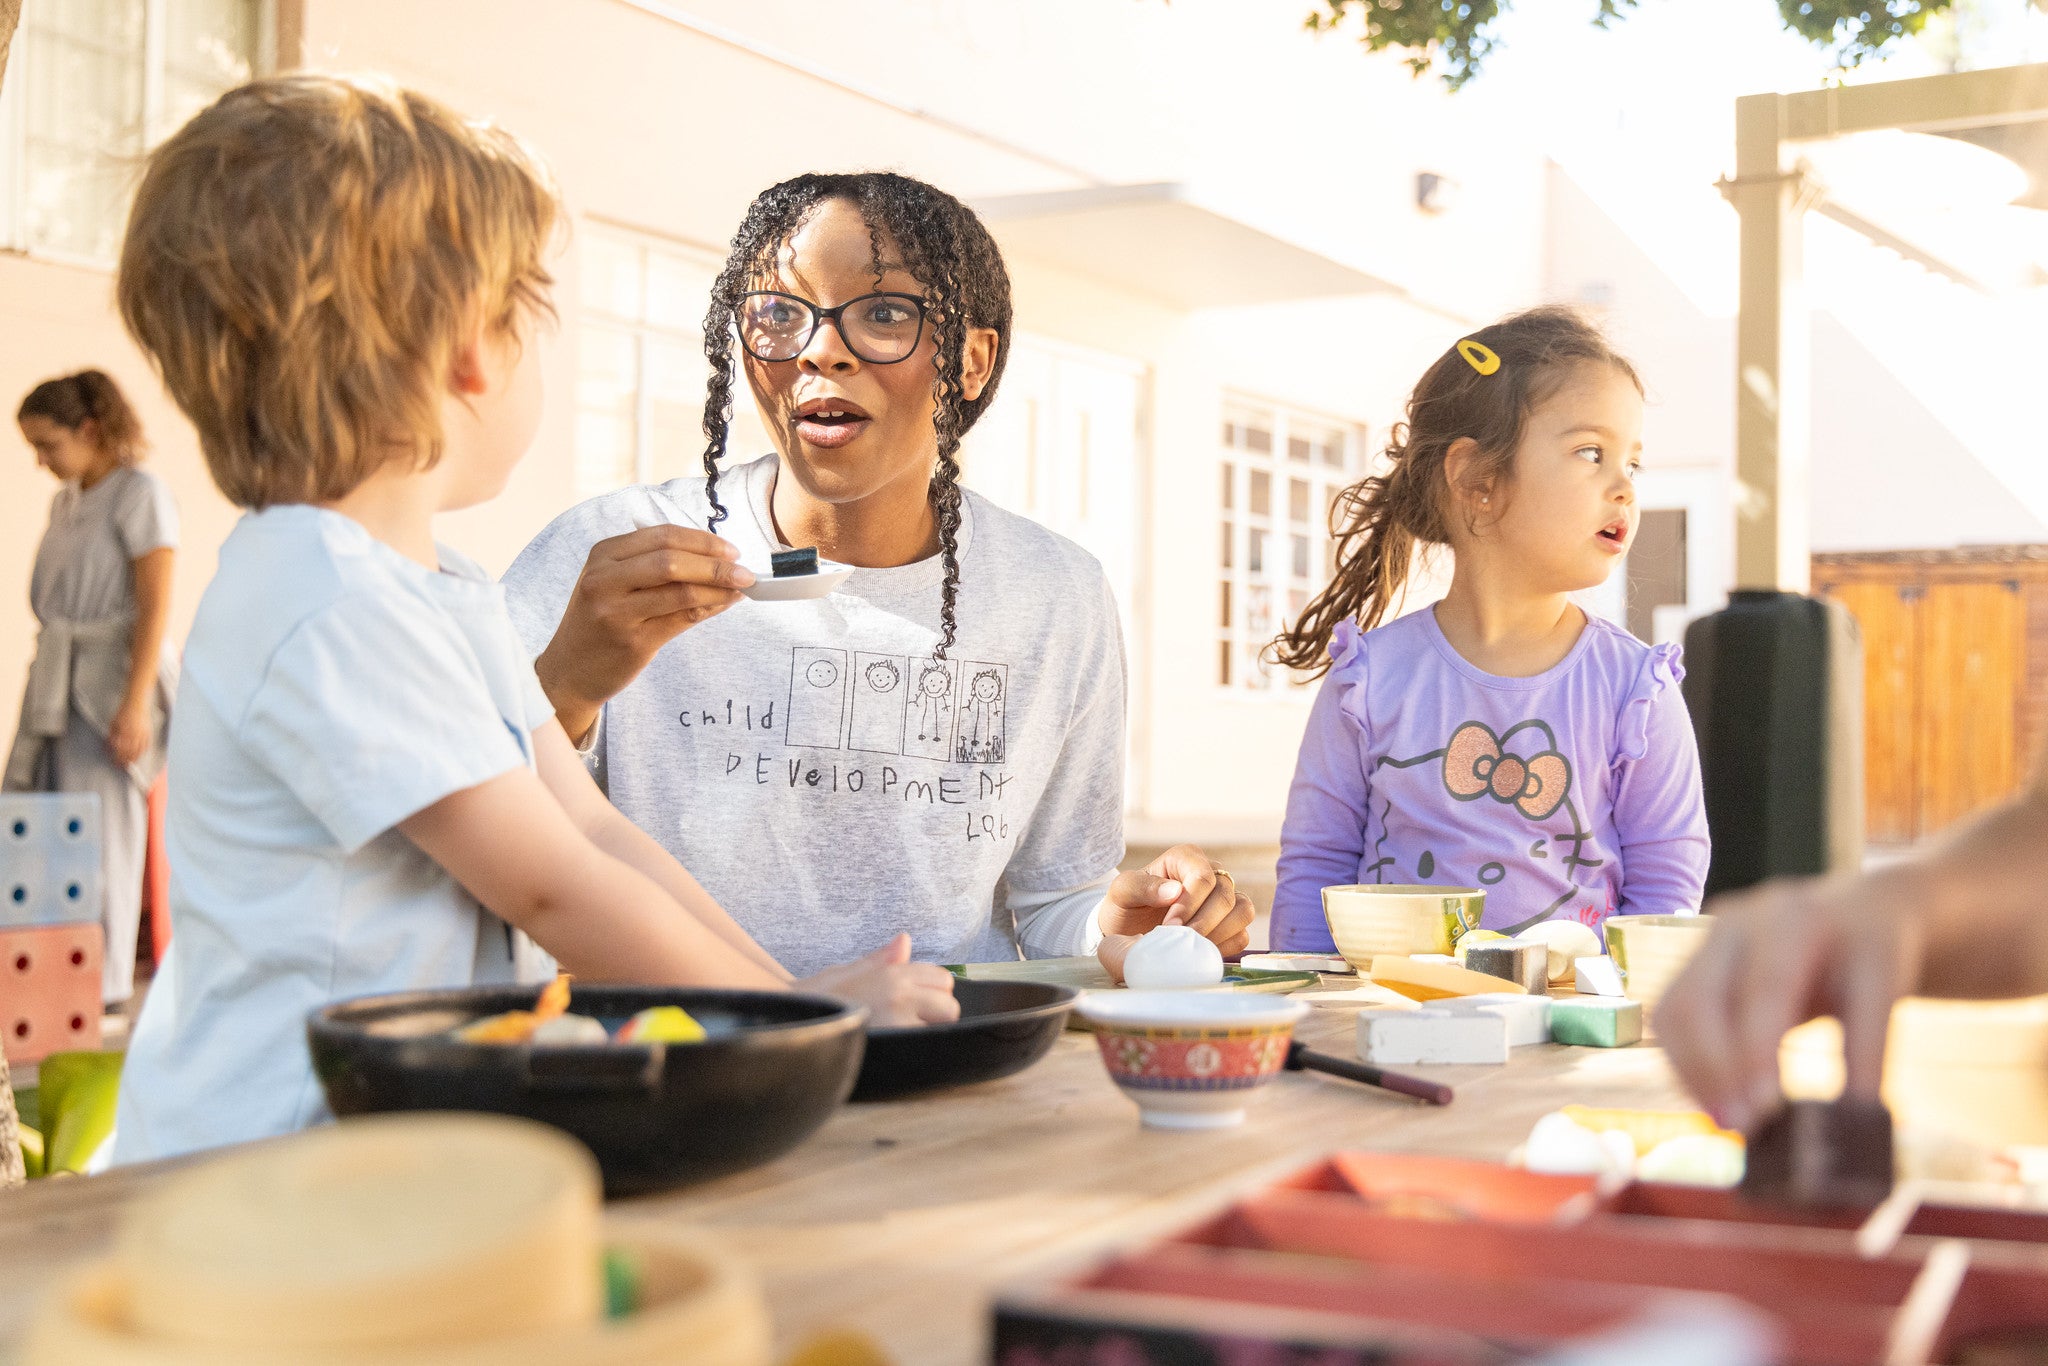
(1503, 739)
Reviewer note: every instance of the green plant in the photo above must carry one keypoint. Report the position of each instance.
(1460, 34)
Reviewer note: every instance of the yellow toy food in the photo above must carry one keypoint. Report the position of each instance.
(661, 1024)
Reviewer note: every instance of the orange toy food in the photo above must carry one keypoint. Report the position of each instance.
(518, 1026)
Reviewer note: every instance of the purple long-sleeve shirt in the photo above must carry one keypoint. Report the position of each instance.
(1571, 794)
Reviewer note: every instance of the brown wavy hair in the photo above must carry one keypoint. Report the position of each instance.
(71, 401)
(302, 261)
(1380, 522)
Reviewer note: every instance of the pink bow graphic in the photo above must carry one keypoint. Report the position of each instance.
(1475, 766)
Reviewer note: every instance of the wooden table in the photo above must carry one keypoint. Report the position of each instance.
(901, 1219)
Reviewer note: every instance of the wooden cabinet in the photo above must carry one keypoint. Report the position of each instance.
(1955, 683)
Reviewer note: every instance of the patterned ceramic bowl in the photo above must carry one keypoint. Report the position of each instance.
(1367, 921)
(1190, 1060)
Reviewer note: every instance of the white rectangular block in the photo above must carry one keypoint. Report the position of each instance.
(1597, 976)
(1431, 1034)
(1528, 1017)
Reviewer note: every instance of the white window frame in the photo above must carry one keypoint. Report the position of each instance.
(21, 78)
(642, 332)
(1237, 461)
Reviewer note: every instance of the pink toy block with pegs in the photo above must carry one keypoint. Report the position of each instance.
(49, 990)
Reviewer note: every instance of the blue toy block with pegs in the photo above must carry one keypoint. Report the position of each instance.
(49, 858)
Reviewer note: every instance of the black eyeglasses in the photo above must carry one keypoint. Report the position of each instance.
(881, 329)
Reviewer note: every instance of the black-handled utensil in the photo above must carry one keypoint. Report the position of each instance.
(1301, 1058)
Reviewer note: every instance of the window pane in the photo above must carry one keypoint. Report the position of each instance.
(612, 276)
(1255, 551)
(607, 385)
(209, 47)
(678, 291)
(1258, 439)
(1226, 604)
(1262, 494)
(1227, 539)
(1297, 500)
(1298, 448)
(1229, 485)
(81, 64)
(675, 408)
(1229, 432)
(1300, 556)
(1223, 666)
(1297, 603)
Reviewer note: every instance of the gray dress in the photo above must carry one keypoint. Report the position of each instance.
(83, 595)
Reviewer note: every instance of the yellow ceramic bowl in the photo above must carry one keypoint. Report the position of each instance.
(1651, 950)
(1367, 921)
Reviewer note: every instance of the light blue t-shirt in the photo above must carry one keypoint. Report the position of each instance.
(332, 688)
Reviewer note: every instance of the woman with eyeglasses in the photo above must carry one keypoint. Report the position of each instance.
(936, 747)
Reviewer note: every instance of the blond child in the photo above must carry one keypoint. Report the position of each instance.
(340, 282)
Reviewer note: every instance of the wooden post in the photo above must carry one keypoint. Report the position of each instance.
(1773, 345)
(10, 19)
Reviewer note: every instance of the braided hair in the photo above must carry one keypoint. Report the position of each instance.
(966, 286)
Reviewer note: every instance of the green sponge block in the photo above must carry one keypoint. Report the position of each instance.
(1596, 1021)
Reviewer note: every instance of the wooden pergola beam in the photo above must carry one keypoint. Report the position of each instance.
(1772, 192)
(1927, 104)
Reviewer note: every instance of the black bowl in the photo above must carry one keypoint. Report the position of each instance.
(1003, 1028)
(775, 1068)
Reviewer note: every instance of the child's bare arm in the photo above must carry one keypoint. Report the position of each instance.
(510, 843)
(608, 828)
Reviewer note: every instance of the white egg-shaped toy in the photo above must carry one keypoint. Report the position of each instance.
(1561, 1146)
(1172, 956)
(1567, 941)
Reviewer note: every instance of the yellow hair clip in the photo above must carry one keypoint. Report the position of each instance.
(1478, 357)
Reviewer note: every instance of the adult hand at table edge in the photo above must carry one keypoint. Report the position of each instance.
(1784, 953)
(895, 990)
(636, 592)
(1183, 886)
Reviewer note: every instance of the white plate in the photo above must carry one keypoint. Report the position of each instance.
(797, 587)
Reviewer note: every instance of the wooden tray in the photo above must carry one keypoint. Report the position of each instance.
(1427, 1259)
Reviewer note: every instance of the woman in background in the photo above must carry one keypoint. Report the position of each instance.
(94, 715)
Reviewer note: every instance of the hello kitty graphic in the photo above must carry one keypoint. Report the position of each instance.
(1522, 775)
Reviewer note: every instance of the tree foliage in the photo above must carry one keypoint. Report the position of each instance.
(1461, 34)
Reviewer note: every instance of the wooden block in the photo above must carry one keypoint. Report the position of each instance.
(1432, 1034)
(1422, 980)
(1822, 1152)
(49, 990)
(1596, 1021)
(1528, 1017)
(1513, 960)
(1597, 976)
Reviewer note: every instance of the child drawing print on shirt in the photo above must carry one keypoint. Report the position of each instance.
(878, 711)
(981, 722)
(1533, 782)
(929, 708)
(817, 697)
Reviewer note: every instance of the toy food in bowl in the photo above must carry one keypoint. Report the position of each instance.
(1366, 921)
(1190, 1059)
(658, 1109)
